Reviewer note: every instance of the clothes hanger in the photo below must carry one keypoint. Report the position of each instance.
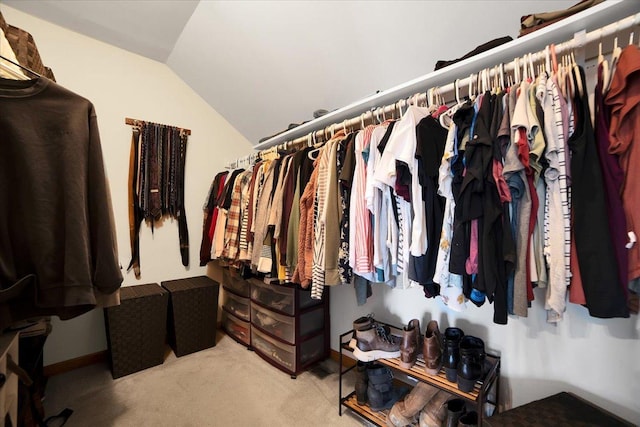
(14, 73)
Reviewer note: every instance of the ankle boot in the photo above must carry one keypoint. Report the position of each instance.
(435, 411)
(403, 413)
(362, 323)
(374, 343)
(432, 349)
(362, 382)
(468, 419)
(455, 409)
(409, 348)
(380, 391)
(451, 354)
(471, 362)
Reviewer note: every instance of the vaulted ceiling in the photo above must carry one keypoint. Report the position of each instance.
(265, 64)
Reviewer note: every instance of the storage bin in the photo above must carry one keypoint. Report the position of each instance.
(277, 352)
(278, 325)
(276, 297)
(136, 329)
(284, 355)
(283, 327)
(236, 305)
(236, 328)
(232, 280)
(193, 312)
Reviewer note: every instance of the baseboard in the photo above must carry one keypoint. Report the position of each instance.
(78, 362)
(347, 359)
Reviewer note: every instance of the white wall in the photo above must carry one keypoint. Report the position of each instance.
(122, 84)
(594, 358)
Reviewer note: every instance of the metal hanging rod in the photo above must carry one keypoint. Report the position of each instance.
(572, 28)
(135, 122)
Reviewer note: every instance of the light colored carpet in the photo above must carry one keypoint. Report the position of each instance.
(226, 385)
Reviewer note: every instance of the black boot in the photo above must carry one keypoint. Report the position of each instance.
(471, 362)
(362, 382)
(455, 409)
(380, 391)
(451, 353)
(468, 419)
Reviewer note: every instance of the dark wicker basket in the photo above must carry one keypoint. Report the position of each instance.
(136, 329)
(193, 314)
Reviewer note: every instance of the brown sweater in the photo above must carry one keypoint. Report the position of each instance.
(56, 221)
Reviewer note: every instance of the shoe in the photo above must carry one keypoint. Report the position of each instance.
(468, 419)
(362, 323)
(362, 382)
(395, 417)
(451, 352)
(471, 362)
(410, 345)
(380, 391)
(435, 411)
(456, 408)
(432, 349)
(375, 343)
(404, 412)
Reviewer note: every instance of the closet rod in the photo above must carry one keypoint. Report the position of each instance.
(135, 122)
(590, 19)
(537, 57)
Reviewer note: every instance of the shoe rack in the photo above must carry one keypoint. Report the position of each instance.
(478, 397)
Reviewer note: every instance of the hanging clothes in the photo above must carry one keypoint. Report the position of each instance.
(593, 243)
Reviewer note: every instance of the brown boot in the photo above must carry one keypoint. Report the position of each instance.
(432, 349)
(435, 411)
(409, 348)
(403, 413)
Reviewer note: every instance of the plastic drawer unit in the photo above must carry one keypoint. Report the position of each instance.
(231, 280)
(236, 305)
(236, 328)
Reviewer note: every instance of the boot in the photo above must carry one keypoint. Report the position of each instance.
(375, 343)
(468, 419)
(432, 349)
(456, 408)
(411, 337)
(435, 411)
(451, 354)
(471, 362)
(380, 391)
(362, 382)
(362, 323)
(403, 413)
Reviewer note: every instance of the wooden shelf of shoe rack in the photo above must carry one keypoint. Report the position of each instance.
(478, 396)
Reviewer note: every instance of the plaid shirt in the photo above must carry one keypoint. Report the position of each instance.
(232, 230)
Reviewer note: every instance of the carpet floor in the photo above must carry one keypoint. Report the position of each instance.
(226, 385)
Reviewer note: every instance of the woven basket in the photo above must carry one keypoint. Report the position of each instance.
(193, 313)
(136, 329)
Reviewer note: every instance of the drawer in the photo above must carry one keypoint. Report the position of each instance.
(278, 325)
(280, 298)
(236, 305)
(236, 328)
(281, 354)
(232, 280)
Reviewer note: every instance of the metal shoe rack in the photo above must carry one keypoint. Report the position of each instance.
(478, 396)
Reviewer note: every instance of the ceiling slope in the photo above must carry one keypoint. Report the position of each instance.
(149, 28)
